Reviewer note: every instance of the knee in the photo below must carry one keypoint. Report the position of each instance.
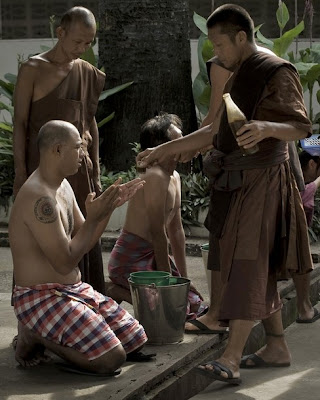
(110, 361)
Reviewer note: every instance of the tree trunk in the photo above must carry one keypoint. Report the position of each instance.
(145, 41)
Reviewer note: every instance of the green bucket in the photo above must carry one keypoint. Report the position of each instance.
(205, 247)
(159, 278)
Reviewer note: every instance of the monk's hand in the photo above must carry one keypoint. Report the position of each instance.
(195, 290)
(253, 132)
(154, 156)
(128, 190)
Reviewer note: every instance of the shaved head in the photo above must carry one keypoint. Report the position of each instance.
(55, 132)
(78, 15)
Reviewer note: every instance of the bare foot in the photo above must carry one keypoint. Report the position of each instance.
(207, 320)
(29, 352)
(306, 313)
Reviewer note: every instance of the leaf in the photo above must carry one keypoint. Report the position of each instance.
(197, 88)
(282, 15)
(313, 74)
(7, 107)
(282, 44)
(105, 120)
(89, 56)
(6, 127)
(110, 92)
(318, 96)
(207, 50)
(12, 78)
(202, 65)
(200, 22)
(204, 98)
(263, 40)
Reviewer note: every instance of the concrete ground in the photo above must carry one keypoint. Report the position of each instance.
(171, 376)
(298, 382)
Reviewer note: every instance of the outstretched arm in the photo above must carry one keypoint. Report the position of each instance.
(175, 148)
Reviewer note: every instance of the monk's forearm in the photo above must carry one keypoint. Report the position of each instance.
(19, 148)
(286, 132)
(194, 141)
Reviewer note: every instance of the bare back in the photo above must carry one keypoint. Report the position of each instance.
(37, 206)
(155, 205)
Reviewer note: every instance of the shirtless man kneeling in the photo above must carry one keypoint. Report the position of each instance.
(153, 221)
(48, 236)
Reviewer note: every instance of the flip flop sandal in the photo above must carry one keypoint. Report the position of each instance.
(140, 357)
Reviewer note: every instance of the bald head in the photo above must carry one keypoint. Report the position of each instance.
(79, 15)
(55, 132)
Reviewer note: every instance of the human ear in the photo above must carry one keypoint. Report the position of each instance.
(242, 36)
(60, 32)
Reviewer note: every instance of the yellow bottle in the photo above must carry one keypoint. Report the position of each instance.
(236, 120)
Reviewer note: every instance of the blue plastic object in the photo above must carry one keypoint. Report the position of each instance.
(311, 145)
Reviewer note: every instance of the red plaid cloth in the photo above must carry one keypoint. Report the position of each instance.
(131, 253)
(77, 316)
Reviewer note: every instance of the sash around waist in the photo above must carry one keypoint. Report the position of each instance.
(224, 170)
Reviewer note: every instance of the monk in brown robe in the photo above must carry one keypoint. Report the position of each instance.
(258, 229)
(58, 85)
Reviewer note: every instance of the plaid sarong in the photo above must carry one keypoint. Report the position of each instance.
(131, 253)
(77, 316)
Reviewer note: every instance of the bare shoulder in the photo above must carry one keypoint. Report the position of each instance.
(30, 68)
(155, 172)
(34, 201)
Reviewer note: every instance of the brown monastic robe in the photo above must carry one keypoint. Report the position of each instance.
(262, 234)
(74, 100)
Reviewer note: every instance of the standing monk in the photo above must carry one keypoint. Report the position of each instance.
(58, 85)
(256, 220)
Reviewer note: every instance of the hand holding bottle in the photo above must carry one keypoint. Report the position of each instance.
(238, 120)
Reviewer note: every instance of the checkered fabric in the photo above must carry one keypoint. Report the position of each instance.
(131, 253)
(77, 316)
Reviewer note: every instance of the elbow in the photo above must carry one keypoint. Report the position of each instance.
(64, 265)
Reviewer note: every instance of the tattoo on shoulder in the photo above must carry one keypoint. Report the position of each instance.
(45, 210)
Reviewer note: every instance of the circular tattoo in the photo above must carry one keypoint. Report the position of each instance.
(45, 210)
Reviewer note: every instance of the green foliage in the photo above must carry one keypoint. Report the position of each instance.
(306, 62)
(7, 87)
(109, 177)
(194, 197)
(6, 140)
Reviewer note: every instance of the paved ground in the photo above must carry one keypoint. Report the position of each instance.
(300, 381)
